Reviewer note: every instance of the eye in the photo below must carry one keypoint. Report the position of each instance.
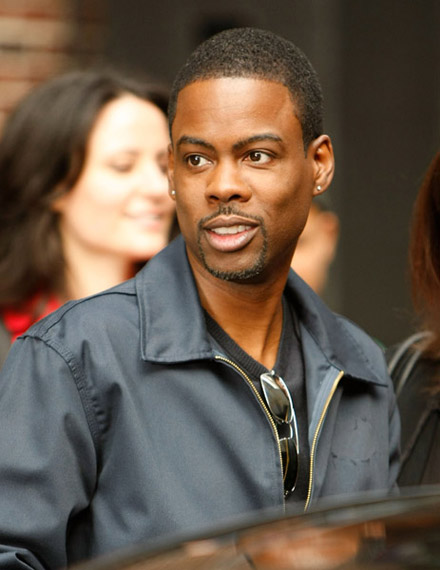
(259, 157)
(121, 167)
(122, 162)
(196, 160)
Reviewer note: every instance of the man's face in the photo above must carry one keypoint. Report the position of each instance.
(242, 179)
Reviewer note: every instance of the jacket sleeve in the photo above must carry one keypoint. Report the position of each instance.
(47, 456)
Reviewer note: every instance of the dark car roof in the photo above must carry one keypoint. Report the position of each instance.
(369, 533)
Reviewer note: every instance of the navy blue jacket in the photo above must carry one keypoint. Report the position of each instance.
(121, 423)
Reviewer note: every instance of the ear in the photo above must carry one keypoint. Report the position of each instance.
(170, 173)
(321, 151)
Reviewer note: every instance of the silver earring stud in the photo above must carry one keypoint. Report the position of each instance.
(319, 188)
(173, 192)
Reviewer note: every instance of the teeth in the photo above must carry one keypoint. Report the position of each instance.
(230, 230)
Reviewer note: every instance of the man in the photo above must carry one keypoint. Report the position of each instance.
(215, 383)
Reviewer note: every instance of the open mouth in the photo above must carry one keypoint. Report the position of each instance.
(231, 230)
(147, 219)
(230, 233)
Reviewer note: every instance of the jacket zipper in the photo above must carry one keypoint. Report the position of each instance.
(263, 405)
(317, 432)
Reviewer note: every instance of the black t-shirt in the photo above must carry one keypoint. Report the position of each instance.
(290, 366)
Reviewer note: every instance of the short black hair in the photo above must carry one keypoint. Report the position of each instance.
(261, 54)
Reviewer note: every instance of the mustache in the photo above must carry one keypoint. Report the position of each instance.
(229, 211)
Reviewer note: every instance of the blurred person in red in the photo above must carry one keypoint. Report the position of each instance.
(84, 195)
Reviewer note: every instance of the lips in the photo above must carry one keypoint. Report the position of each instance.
(147, 220)
(230, 233)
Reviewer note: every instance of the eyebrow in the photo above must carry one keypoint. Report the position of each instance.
(257, 138)
(186, 139)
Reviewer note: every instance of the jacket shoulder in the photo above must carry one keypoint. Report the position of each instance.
(88, 313)
(356, 333)
(367, 348)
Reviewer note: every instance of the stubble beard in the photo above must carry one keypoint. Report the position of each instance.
(240, 275)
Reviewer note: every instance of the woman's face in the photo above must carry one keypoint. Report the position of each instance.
(120, 205)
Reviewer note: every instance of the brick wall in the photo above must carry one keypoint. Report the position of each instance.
(39, 38)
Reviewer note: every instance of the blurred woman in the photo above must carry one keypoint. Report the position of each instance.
(83, 192)
(415, 364)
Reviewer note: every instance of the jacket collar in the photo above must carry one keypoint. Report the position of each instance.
(172, 324)
(343, 344)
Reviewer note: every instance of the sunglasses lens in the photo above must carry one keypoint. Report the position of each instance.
(290, 465)
(281, 407)
(277, 396)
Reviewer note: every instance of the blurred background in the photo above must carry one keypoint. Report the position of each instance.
(379, 64)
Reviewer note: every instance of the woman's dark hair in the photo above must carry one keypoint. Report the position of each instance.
(42, 153)
(425, 255)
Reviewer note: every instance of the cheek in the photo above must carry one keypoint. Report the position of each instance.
(186, 220)
(99, 194)
(190, 205)
(288, 218)
(91, 209)
(288, 201)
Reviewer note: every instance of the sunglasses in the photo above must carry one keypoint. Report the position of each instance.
(280, 405)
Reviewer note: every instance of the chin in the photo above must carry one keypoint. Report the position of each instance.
(146, 252)
(247, 272)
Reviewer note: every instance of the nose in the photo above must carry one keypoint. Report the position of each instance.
(153, 181)
(226, 184)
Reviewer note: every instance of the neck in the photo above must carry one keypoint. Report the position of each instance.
(251, 314)
(91, 272)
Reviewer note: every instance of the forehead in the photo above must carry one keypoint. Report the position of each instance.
(239, 106)
(126, 119)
